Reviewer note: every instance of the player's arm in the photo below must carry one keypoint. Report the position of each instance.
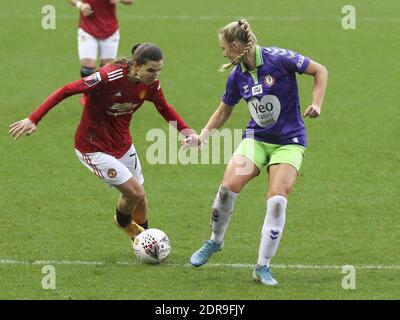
(28, 125)
(169, 113)
(84, 8)
(216, 121)
(320, 74)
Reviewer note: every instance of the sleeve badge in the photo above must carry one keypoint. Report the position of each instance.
(92, 79)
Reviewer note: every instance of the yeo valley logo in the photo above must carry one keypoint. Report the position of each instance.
(266, 111)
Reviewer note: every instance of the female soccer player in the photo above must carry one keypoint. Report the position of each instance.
(275, 136)
(98, 31)
(102, 140)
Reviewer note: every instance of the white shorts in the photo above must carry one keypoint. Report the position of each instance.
(111, 170)
(88, 46)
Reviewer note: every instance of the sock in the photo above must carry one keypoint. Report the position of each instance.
(221, 213)
(272, 229)
(123, 219)
(145, 225)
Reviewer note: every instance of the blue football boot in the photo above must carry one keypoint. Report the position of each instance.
(263, 275)
(202, 255)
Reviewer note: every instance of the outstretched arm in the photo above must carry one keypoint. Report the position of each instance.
(320, 74)
(27, 126)
(170, 114)
(216, 121)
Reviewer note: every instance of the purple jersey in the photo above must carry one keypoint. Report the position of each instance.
(271, 95)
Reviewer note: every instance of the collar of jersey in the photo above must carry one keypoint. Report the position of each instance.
(259, 60)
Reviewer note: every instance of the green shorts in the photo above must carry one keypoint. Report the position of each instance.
(265, 154)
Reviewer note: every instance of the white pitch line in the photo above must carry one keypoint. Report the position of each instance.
(67, 262)
(66, 16)
(210, 265)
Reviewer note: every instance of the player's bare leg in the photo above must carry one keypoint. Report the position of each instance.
(139, 215)
(132, 197)
(282, 178)
(239, 171)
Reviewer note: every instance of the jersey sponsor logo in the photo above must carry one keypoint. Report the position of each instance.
(120, 109)
(269, 80)
(124, 106)
(92, 79)
(114, 75)
(256, 90)
(112, 173)
(246, 88)
(265, 111)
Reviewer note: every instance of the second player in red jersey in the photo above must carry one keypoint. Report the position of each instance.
(102, 23)
(102, 140)
(98, 32)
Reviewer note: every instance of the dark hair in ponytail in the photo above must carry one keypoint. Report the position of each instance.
(142, 53)
(134, 48)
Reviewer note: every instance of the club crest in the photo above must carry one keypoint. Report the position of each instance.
(112, 173)
(269, 80)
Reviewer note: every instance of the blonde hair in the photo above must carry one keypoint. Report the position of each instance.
(238, 31)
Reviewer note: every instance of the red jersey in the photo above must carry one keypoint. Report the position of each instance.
(102, 23)
(111, 101)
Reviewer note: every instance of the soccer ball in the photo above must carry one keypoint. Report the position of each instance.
(152, 246)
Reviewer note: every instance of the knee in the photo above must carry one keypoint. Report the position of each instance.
(141, 195)
(284, 192)
(230, 186)
(138, 195)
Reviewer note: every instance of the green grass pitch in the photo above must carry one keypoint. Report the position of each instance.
(344, 209)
